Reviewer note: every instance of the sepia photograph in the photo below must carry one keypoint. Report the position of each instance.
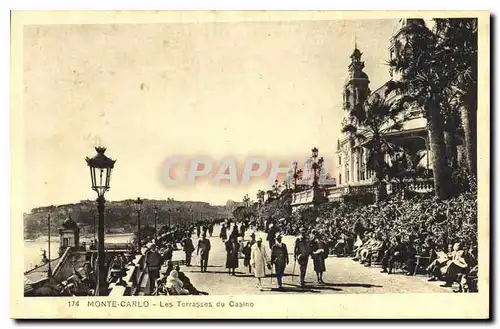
(162, 162)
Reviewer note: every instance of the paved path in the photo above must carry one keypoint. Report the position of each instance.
(343, 275)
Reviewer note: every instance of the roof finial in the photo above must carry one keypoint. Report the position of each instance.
(355, 41)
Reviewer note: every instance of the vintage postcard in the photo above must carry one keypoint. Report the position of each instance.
(322, 165)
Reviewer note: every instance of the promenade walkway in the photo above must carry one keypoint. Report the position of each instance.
(343, 275)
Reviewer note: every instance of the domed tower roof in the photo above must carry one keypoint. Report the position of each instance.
(69, 224)
(356, 54)
(356, 67)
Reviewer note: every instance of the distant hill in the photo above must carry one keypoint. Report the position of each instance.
(120, 216)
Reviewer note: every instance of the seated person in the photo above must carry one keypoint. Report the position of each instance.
(392, 255)
(357, 245)
(436, 268)
(162, 280)
(363, 246)
(340, 245)
(366, 250)
(378, 250)
(86, 275)
(470, 286)
(410, 251)
(187, 283)
(457, 266)
(174, 285)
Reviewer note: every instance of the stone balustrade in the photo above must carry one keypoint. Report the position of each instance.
(337, 193)
(311, 195)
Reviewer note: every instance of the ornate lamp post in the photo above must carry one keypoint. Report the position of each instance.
(294, 167)
(138, 208)
(155, 211)
(316, 166)
(314, 153)
(276, 188)
(100, 174)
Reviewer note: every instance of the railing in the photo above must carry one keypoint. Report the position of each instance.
(302, 197)
(419, 185)
(308, 196)
(337, 192)
(132, 280)
(61, 261)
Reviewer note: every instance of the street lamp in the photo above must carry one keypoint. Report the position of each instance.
(100, 174)
(314, 153)
(138, 208)
(295, 165)
(155, 211)
(276, 188)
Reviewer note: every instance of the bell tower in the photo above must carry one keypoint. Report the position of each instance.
(356, 91)
(356, 88)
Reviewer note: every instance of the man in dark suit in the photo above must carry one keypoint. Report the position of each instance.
(279, 257)
(271, 235)
(153, 262)
(302, 251)
(187, 245)
(203, 246)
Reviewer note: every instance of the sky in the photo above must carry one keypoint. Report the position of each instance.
(148, 92)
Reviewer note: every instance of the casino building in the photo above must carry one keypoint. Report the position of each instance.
(353, 175)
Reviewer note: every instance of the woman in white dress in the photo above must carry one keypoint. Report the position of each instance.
(259, 260)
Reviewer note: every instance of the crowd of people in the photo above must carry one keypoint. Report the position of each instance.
(419, 236)
(259, 259)
(428, 236)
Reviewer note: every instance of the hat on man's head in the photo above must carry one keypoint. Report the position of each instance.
(279, 236)
(259, 239)
(302, 229)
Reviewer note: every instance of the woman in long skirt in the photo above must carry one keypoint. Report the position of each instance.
(223, 232)
(246, 251)
(319, 254)
(232, 249)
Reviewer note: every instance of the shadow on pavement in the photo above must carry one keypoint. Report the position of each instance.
(312, 287)
(360, 285)
(214, 272)
(296, 290)
(250, 275)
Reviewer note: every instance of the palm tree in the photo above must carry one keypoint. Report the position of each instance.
(420, 63)
(458, 42)
(381, 118)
